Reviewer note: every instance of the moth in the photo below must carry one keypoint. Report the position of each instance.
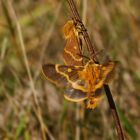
(81, 81)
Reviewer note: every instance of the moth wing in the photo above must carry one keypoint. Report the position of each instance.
(72, 51)
(70, 72)
(75, 95)
(72, 75)
(51, 74)
(106, 72)
(111, 74)
(68, 29)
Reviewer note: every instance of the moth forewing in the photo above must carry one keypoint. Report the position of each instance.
(72, 51)
(108, 71)
(104, 72)
(63, 75)
(68, 29)
(70, 72)
(111, 74)
(60, 75)
(72, 75)
(51, 74)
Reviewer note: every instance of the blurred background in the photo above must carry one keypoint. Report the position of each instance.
(31, 35)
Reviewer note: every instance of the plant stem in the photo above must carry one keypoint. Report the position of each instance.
(90, 47)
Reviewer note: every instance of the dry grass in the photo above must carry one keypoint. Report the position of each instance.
(30, 35)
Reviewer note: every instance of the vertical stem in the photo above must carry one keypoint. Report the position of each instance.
(77, 18)
(114, 112)
(77, 136)
(89, 45)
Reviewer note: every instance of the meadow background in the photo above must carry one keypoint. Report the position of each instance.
(31, 35)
